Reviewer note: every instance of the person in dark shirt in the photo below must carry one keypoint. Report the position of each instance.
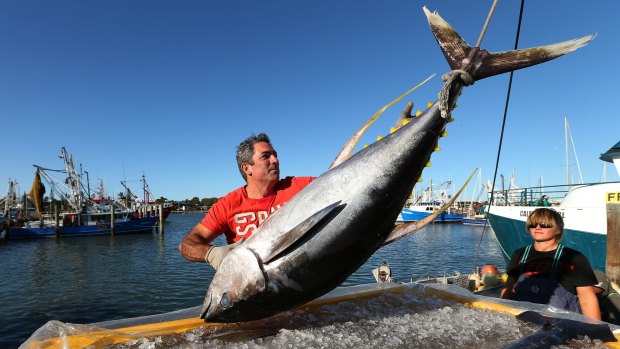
(547, 272)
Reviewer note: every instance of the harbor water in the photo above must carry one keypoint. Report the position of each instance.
(84, 280)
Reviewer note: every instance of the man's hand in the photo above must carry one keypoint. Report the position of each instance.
(216, 254)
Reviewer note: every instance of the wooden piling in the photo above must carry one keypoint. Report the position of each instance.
(56, 220)
(161, 218)
(613, 239)
(112, 220)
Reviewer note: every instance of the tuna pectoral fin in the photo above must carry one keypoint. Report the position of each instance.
(290, 237)
(346, 151)
(404, 230)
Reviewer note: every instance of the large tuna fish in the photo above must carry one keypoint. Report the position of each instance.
(328, 230)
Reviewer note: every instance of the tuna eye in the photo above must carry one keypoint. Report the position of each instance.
(225, 301)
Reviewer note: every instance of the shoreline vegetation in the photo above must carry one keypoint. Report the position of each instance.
(188, 211)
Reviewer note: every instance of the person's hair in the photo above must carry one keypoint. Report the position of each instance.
(245, 150)
(549, 216)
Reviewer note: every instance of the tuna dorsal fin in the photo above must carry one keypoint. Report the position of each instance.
(289, 238)
(404, 230)
(346, 151)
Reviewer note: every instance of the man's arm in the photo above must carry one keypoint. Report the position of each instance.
(196, 243)
(589, 302)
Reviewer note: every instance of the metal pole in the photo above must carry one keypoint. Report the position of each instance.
(87, 184)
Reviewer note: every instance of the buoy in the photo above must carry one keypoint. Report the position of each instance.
(490, 279)
(489, 269)
(474, 281)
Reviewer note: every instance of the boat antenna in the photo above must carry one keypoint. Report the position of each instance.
(501, 137)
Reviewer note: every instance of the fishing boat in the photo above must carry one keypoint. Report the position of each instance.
(4, 226)
(17, 208)
(82, 216)
(475, 211)
(145, 206)
(430, 201)
(475, 220)
(86, 224)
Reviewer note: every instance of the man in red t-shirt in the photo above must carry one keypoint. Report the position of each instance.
(241, 211)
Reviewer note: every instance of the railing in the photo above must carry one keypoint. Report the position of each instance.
(531, 196)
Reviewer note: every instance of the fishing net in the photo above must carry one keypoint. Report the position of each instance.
(36, 193)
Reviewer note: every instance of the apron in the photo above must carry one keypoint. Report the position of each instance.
(545, 290)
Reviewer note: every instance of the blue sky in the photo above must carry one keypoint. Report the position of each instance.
(169, 88)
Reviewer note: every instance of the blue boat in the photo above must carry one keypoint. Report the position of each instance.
(583, 207)
(475, 221)
(91, 224)
(430, 201)
(424, 209)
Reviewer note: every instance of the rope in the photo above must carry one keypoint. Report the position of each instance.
(486, 23)
(499, 148)
(464, 76)
(450, 78)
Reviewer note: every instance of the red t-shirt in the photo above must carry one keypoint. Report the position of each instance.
(237, 215)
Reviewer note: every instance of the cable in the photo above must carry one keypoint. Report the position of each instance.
(501, 138)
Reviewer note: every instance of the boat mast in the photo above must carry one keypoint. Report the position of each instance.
(129, 196)
(430, 195)
(145, 190)
(477, 189)
(567, 134)
(568, 179)
(10, 197)
(73, 180)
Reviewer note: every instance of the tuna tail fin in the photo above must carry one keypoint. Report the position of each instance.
(481, 64)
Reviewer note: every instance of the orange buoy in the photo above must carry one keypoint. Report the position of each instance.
(489, 269)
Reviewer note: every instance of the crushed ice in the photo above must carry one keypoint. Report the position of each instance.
(388, 321)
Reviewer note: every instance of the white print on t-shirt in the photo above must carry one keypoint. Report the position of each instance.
(246, 222)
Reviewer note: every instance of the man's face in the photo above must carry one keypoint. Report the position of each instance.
(541, 234)
(266, 164)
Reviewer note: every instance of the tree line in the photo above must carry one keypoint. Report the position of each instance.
(193, 202)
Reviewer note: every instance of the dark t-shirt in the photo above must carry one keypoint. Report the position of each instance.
(573, 268)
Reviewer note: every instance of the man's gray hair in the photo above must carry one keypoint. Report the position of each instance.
(245, 150)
